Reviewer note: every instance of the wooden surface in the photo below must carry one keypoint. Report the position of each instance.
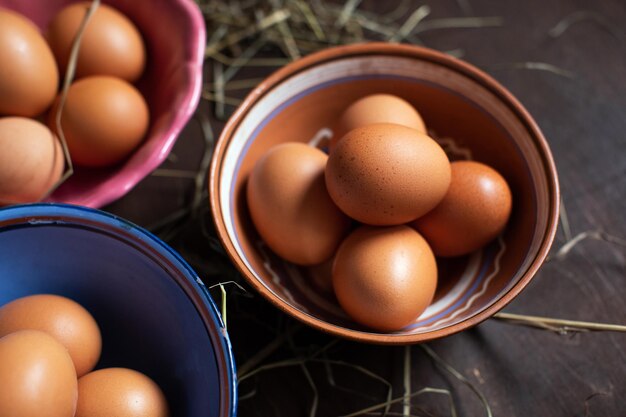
(520, 371)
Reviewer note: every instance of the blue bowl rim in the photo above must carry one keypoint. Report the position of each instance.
(60, 213)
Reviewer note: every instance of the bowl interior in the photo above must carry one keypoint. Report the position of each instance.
(470, 122)
(153, 315)
(173, 32)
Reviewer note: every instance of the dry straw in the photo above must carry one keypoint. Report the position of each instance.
(250, 34)
(70, 72)
(244, 33)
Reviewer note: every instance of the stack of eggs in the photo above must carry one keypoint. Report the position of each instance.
(104, 118)
(49, 346)
(381, 206)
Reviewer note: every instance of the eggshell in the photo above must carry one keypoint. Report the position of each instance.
(119, 392)
(28, 74)
(111, 43)
(290, 206)
(474, 211)
(104, 119)
(37, 376)
(31, 160)
(385, 277)
(386, 174)
(65, 320)
(377, 108)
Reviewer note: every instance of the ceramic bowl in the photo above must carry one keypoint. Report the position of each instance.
(155, 314)
(472, 116)
(174, 34)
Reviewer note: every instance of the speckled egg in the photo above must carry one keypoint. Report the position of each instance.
(120, 392)
(474, 211)
(37, 377)
(384, 277)
(377, 108)
(104, 119)
(64, 319)
(111, 43)
(290, 206)
(29, 78)
(386, 174)
(31, 160)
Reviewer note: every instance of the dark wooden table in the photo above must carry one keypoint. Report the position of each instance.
(521, 371)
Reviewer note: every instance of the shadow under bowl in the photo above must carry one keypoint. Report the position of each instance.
(155, 314)
(470, 114)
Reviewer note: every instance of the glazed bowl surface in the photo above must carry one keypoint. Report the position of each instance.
(174, 34)
(472, 117)
(154, 312)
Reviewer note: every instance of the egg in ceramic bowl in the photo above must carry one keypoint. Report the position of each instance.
(174, 35)
(469, 114)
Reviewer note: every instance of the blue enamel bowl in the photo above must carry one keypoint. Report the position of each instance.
(155, 313)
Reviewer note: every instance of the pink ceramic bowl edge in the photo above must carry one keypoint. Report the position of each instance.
(162, 138)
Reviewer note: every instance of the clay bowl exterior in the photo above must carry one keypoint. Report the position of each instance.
(174, 34)
(468, 112)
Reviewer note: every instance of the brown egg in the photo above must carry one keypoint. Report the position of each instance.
(474, 211)
(111, 44)
(377, 108)
(385, 277)
(28, 74)
(65, 320)
(104, 120)
(385, 174)
(31, 160)
(290, 206)
(121, 393)
(37, 376)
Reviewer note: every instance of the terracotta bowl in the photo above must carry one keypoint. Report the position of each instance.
(470, 114)
(174, 33)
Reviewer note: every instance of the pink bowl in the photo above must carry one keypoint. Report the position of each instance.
(174, 34)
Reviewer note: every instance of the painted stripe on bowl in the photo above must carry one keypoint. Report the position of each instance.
(351, 69)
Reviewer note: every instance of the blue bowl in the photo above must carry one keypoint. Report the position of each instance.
(155, 313)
